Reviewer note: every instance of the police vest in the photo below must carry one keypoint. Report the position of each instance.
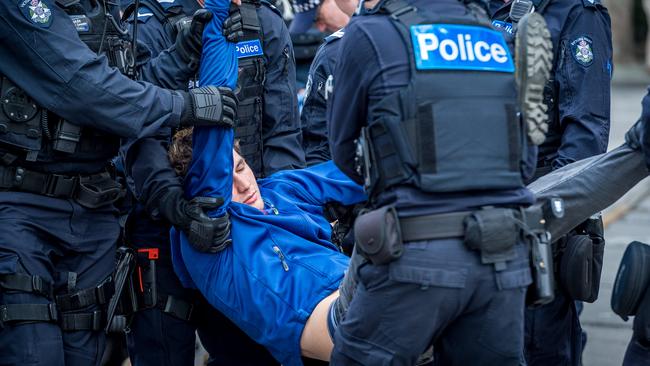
(30, 135)
(250, 87)
(455, 127)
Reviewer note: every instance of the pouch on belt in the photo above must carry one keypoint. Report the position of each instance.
(581, 261)
(494, 233)
(632, 280)
(378, 235)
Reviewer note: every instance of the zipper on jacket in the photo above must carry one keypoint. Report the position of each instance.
(280, 255)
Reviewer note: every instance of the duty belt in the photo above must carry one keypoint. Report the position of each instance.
(90, 191)
(431, 227)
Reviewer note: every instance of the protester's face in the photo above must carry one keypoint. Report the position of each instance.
(330, 18)
(244, 184)
(348, 6)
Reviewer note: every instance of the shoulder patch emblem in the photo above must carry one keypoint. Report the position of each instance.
(310, 81)
(36, 11)
(329, 87)
(582, 50)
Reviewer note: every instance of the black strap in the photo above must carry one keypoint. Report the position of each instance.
(250, 21)
(99, 295)
(20, 313)
(90, 191)
(176, 307)
(26, 283)
(429, 227)
(53, 185)
(540, 5)
(83, 321)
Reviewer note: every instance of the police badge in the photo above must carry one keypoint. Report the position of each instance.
(581, 49)
(36, 11)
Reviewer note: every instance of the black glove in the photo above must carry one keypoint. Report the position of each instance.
(233, 26)
(205, 234)
(189, 40)
(209, 106)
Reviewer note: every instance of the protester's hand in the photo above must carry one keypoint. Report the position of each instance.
(189, 40)
(204, 233)
(209, 106)
(233, 26)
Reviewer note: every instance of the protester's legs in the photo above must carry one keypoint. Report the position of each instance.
(590, 185)
(225, 342)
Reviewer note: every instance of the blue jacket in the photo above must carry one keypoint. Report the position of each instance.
(281, 263)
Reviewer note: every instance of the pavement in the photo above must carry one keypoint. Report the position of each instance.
(627, 220)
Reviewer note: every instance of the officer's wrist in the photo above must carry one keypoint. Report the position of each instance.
(187, 114)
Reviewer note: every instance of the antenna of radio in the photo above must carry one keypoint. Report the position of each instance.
(134, 48)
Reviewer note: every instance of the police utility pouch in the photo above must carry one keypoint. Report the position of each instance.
(493, 232)
(632, 280)
(580, 267)
(378, 235)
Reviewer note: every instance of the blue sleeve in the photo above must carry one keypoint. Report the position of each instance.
(62, 74)
(584, 85)
(324, 183)
(210, 173)
(281, 134)
(356, 68)
(314, 111)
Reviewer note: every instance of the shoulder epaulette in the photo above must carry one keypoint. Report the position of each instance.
(335, 36)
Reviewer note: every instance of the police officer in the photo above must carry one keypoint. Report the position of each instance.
(578, 98)
(64, 108)
(428, 156)
(270, 141)
(313, 20)
(313, 118)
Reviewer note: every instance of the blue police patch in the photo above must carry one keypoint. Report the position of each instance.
(507, 27)
(249, 48)
(582, 50)
(81, 22)
(36, 11)
(460, 47)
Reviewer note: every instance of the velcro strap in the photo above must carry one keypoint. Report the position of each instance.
(249, 19)
(246, 130)
(27, 313)
(250, 149)
(430, 227)
(26, 283)
(82, 321)
(97, 295)
(176, 307)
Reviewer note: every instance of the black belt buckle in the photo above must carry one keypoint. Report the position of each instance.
(57, 185)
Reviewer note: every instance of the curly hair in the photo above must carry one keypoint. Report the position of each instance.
(180, 151)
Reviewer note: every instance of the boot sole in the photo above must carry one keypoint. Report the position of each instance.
(534, 60)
